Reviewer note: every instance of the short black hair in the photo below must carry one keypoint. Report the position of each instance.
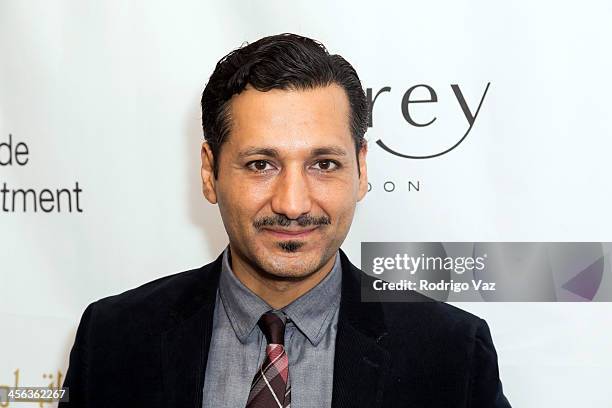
(284, 61)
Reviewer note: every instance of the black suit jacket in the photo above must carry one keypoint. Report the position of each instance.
(148, 347)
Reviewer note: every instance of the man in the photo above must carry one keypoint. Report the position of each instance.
(277, 318)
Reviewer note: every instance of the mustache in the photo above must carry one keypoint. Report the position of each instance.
(283, 221)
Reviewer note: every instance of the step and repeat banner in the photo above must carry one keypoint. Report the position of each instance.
(489, 166)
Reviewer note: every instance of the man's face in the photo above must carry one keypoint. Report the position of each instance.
(288, 184)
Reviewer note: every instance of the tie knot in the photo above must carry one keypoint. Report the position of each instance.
(273, 327)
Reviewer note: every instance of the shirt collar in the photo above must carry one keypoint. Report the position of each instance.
(311, 313)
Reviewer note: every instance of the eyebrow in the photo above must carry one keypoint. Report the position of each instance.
(273, 152)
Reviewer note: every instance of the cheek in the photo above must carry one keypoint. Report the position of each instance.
(339, 204)
(240, 202)
(346, 217)
(338, 193)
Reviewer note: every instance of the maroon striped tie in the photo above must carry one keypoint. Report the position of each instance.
(270, 387)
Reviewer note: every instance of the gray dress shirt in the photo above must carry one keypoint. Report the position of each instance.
(238, 346)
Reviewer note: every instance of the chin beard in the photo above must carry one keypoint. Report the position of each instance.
(290, 246)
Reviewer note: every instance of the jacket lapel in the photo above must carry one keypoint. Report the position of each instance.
(360, 362)
(184, 346)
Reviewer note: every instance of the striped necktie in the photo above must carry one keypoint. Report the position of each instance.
(270, 387)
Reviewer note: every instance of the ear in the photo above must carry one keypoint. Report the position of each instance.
(363, 169)
(208, 178)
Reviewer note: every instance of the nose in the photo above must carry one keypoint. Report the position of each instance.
(291, 195)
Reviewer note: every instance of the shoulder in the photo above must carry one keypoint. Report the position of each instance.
(441, 347)
(436, 319)
(437, 340)
(154, 306)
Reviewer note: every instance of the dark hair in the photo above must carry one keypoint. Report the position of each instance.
(283, 61)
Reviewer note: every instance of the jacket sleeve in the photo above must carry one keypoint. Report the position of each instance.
(76, 379)
(485, 386)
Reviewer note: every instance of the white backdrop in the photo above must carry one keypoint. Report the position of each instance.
(106, 94)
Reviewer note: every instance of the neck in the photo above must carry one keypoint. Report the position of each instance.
(278, 293)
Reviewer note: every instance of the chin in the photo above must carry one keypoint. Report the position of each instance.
(296, 266)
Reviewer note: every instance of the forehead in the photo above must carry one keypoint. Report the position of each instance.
(290, 117)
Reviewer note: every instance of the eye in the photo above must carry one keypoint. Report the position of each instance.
(328, 165)
(258, 166)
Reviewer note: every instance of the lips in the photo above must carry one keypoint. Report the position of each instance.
(290, 233)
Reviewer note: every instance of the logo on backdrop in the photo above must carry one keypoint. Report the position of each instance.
(414, 97)
(19, 199)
